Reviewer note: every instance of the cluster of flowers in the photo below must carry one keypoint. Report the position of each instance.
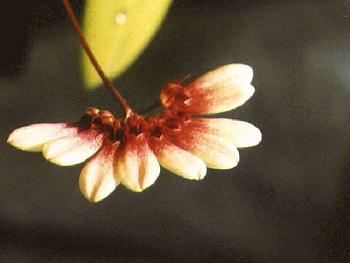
(130, 150)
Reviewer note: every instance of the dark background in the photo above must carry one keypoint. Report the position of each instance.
(287, 201)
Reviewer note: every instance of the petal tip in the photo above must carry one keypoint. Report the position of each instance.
(202, 171)
(253, 137)
(245, 71)
(92, 199)
(133, 188)
(233, 164)
(258, 136)
(238, 71)
(34, 136)
(15, 141)
(10, 140)
(96, 180)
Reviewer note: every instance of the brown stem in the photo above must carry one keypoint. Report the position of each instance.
(109, 84)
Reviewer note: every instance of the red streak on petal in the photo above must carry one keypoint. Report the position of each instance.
(108, 150)
(138, 146)
(157, 143)
(106, 155)
(201, 100)
(92, 136)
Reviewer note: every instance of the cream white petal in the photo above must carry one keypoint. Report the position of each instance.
(73, 149)
(97, 179)
(219, 99)
(137, 166)
(232, 72)
(33, 137)
(179, 161)
(240, 133)
(214, 151)
(223, 89)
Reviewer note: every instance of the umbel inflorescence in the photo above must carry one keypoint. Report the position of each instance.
(129, 150)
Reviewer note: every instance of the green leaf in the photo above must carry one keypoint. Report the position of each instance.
(117, 32)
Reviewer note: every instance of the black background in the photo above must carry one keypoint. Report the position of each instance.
(287, 201)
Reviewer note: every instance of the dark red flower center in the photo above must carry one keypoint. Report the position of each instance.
(117, 130)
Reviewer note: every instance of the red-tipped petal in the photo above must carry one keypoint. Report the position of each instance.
(240, 133)
(33, 137)
(214, 151)
(73, 149)
(222, 89)
(137, 166)
(177, 160)
(97, 179)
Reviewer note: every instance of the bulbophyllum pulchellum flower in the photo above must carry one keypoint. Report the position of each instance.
(129, 150)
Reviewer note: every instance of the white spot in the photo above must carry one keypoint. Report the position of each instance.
(120, 18)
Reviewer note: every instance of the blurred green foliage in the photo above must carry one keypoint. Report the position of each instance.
(117, 32)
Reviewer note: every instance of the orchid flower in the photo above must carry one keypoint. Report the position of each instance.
(130, 150)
